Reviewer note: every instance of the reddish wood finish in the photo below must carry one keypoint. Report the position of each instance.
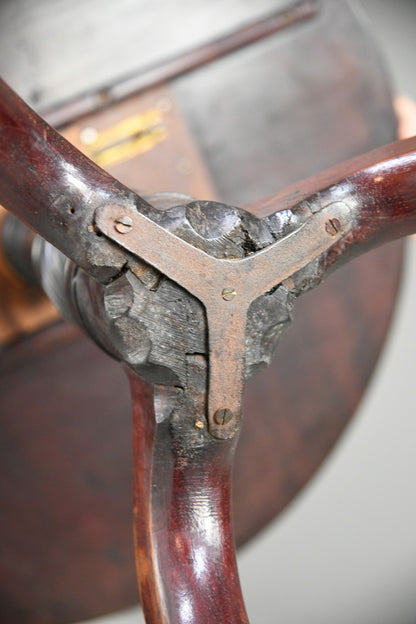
(297, 409)
(49, 184)
(65, 464)
(184, 540)
(296, 439)
(185, 548)
(380, 187)
(54, 188)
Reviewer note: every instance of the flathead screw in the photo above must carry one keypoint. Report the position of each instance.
(123, 224)
(223, 416)
(228, 293)
(333, 226)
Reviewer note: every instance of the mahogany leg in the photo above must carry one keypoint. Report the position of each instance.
(182, 296)
(184, 542)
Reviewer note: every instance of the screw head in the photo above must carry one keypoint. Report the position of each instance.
(228, 293)
(199, 425)
(333, 226)
(223, 416)
(123, 224)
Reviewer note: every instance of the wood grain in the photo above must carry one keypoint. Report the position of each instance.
(102, 43)
(185, 555)
(322, 98)
(65, 466)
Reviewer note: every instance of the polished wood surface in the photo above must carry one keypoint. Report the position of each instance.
(68, 483)
(56, 190)
(254, 141)
(49, 184)
(380, 186)
(185, 556)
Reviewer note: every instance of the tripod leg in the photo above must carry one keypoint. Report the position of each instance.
(184, 541)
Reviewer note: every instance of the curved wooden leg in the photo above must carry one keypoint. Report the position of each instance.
(185, 553)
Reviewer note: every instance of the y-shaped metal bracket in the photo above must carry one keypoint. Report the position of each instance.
(225, 287)
(184, 546)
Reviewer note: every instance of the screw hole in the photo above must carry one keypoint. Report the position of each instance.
(71, 210)
(92, 228)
